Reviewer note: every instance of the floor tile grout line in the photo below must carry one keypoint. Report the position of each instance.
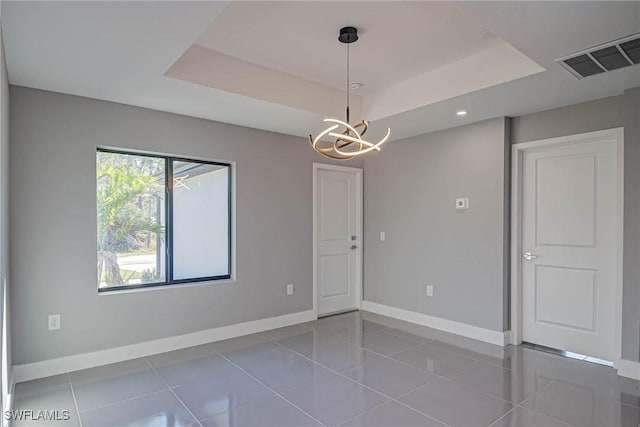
(370, 332)
(504, 415)
(120, 401)
(423, 342)
(391, 399)
(345, 376)
(485, 359)
(484, 392)
(306, 329)
(537, 391)
(538, 412)
(409, 366)
(387, 396)
(75, 401)
(172, 391)
(385, 356)
(475, 361)
(496, 397)
(97, 408)
(434, 346)
(338, 340)
(272, 390)
(362, 413)
(453, 371)
(542, 413)
(397, 399)
(420, 412)
(548, 416)
(519, 405)
(418, 340)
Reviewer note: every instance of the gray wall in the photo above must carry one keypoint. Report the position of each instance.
(4, 209)
(409, 193)
(631, 272)
(606, 113)
(53, 228)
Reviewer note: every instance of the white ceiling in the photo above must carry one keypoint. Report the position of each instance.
(121, 51)
(410, 54)
(301, 38)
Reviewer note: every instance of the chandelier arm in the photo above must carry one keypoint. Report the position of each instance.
(314, 142)
(364, 124)
(325, 150)
(372, 147)
(341, 123)
(352, 139)
(346, 144)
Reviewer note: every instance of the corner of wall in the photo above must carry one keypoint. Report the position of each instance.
(6, 370)
(506, 234)
(631, 269)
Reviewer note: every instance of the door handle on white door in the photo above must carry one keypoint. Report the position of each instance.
(354, 247)
(529, 256)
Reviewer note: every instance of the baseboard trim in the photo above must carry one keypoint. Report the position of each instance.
(628, 368)
(45, 368)
(7, 401)
(464, 329)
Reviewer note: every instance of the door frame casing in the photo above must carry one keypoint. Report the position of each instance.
(518, 150)
(359, 229)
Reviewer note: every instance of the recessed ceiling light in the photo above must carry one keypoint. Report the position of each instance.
(461, 113)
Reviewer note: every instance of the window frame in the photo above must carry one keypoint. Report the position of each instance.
(168, 211)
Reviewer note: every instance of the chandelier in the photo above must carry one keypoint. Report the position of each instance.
(346, 141)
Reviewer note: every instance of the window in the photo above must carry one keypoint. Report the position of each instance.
(161, 220)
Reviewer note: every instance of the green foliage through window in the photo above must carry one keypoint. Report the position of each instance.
(161, 220)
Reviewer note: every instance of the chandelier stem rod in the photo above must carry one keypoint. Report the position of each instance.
(348, 82)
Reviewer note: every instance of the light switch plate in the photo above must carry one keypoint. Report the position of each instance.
(290, 289)
(54, 322)
(383, 236)
(462, 204)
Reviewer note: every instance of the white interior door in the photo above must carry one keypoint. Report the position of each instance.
(570, 246)
(338, 238)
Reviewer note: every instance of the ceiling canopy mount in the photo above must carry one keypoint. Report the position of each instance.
(348, 35)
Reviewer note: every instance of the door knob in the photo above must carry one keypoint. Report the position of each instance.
(529, 256)
(354, 247)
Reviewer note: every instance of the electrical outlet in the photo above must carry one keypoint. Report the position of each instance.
(54, 322)
(290, 289)
(462, 204)
(429, 290)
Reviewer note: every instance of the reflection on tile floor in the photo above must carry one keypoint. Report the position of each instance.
(355, 369)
